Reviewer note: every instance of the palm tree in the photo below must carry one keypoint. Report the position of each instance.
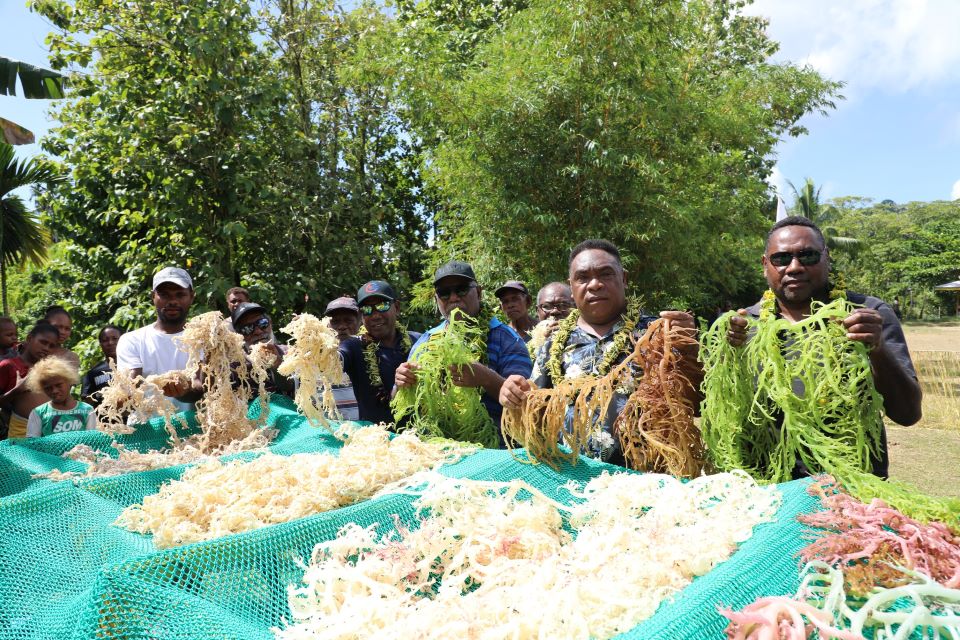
(807, 204)
(37, 83)
(21, 235)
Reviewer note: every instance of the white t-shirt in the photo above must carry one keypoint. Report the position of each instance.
(154, 352)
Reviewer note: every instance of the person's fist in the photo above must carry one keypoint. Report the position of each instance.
(515, 388)
(737, 333)
(406, 375)
(468, 375)
(177, 388)
(682, 324)
(679, 319)
(866, 326)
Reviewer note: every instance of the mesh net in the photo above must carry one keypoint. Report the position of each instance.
(67, 572)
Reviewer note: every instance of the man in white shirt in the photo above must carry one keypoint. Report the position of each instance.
(154, 349)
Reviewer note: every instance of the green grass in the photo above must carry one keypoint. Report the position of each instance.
(929, 459)
(945, 321)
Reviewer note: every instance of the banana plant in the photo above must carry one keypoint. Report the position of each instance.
(38, 84)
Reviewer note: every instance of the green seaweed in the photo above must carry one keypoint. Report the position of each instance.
(435, 406)
(833, 427)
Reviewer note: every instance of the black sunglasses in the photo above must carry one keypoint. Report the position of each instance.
(460, 289)
(247, 329)
(807, 258)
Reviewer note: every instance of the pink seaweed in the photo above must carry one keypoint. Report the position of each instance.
(782, 618)
(867, 541)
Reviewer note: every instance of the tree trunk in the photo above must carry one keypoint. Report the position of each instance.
(3, 281)
(3, 265)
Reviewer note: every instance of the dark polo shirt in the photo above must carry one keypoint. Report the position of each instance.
(894, 342)
(373, 404)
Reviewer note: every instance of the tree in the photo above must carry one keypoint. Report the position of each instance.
(261, 150)
(649, 124)
(905, 250)
(21, 235)
(174, 149)
(338, 72)
(807, 204)
(38, 83)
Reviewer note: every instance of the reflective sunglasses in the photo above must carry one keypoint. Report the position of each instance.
(461, 290)
(380, 307)
(247, 329)
(807, 258)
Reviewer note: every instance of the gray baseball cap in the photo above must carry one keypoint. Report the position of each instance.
(343, 302)
(173, 275)
(511, 285)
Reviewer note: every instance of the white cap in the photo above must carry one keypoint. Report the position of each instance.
(173, 275)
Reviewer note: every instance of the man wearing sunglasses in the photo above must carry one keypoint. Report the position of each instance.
(383, 342)
(796, 264)
(455, 287)
(252, 322)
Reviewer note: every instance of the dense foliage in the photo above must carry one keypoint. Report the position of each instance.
(906, 251)
(303, 148)
(249, 149)
(648, 123)
(22, 238)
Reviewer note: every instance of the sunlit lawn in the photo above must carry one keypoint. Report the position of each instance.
(928, 454)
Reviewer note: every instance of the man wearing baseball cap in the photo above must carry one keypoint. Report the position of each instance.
(371, 360)
(455, 287)
(153, 349)
(344, 317)
(251, 320)
(515, 303)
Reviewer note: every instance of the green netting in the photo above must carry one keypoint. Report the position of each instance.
(66, 572)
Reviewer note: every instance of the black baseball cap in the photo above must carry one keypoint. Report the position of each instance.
(343, 302)
(376, 289)
(515, 285)
(454, 268)
(243, 309)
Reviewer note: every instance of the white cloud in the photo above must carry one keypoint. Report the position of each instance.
(955, 192)
(778, 182)
(892, 45)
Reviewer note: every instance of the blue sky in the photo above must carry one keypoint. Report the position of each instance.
(896, 135)
(23, 36)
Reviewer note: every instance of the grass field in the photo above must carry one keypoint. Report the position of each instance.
(928, 454)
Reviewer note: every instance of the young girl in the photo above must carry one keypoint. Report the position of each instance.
(55, 377)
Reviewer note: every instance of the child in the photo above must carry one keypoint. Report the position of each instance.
(8, 338)
(99, 376)
(16, 399)
(54, 377)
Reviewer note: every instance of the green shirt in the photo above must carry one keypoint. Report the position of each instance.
(45, 420)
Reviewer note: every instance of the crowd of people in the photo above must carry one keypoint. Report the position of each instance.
(589, 324)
